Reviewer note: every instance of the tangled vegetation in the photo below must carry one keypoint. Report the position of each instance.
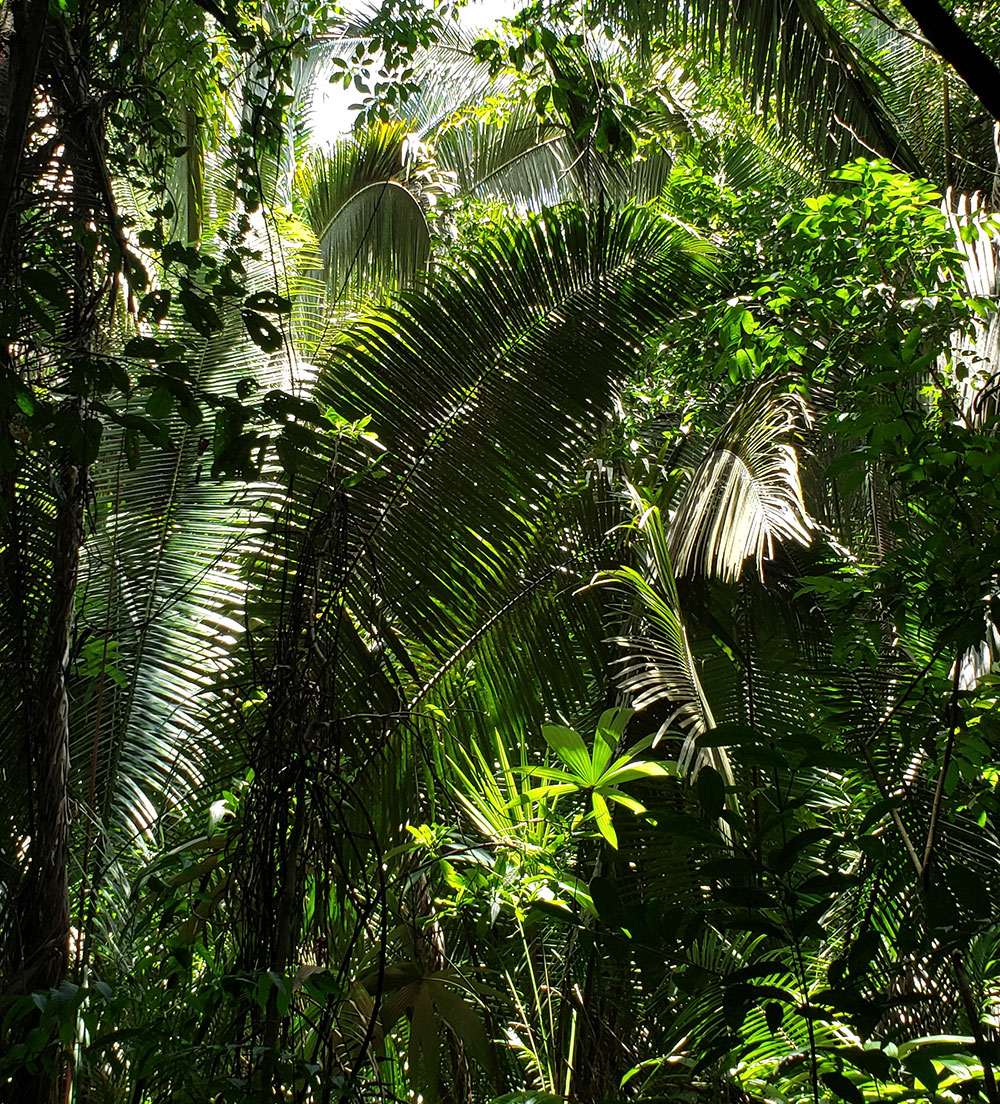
(499, 552)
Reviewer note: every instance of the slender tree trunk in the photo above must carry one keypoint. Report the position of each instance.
(44, 914)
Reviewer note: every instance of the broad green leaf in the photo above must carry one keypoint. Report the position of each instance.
(568, 744)
(602, 817)
(263, 332)
(605, 743)
(615, 721)
(634, 771)
(199, 312)
(843, 1087)
(539, 792)
(624, 800)
(268, 303)
(550, 774)
(463, 1018)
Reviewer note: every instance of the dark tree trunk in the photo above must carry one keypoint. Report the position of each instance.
(37, 63)
(973, 65)
(22, 34)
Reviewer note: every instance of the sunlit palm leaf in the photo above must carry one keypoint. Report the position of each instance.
(369, 223)
(791, 60)
(662, 666)
(544, 312)
(744, 498)
(523, 161)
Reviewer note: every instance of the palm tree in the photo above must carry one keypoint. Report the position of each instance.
(334, 645)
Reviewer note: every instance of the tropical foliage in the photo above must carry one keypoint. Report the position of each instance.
(499, 582)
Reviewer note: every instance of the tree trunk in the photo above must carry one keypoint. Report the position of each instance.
(35, 63)
(972, 64)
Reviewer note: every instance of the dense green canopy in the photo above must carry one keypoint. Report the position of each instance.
(499, 595)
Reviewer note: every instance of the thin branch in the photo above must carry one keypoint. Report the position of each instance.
(951, 715)
(876, 12)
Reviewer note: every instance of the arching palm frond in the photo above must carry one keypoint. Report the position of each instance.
(662, 667)
(546, 311)
(538, 654)
(543, 317)
(362, 202)
(744, 497)
(161, 612)
(792, 61)
(523, 161)
(160, 615)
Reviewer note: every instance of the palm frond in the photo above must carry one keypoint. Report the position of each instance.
(523, 161)
(365, 213)
(744, 497)
(544, 311)
(792, 61)
(662, 666)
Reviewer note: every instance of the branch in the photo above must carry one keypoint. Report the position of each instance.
(972, 64)
(213, 10)
(952, 720)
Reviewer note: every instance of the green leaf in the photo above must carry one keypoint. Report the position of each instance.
(624, 800)
(873, 1061)
(263, 332)
(24, 398)
(602, 816)
(160, 403)
(842, 1087)
(923, 1069)
(568, 744)
(151, 348)
(633, 771)
(610, 728)
(463, 1018)
(199, 313)
(783, 859)
(746, 897)
(539, 792)
(268, 303)
(48, 286)
(728, 735)
(32, 306)
(605, 898)
(550, 774)
(155, 305)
